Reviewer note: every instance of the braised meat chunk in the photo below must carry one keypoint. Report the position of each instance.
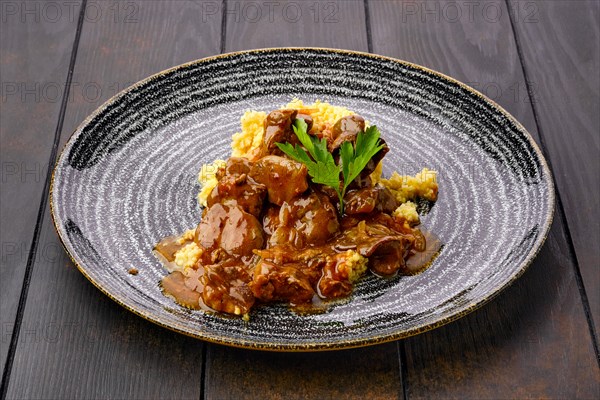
(226, 289)
(228, 231)
(346, 130)
(283, 178)
(239, 190)
(278, 129)
(307, 220)
(384, 247)
(235, 166)
(285, 282)
(235, 187)
(298, 219)
(369, 199)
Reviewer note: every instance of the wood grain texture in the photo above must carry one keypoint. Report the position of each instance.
(34, 60)
(75, 342)
(561, 55)
(533, 340)
(158, 36)
(336, 24)
(530, 342)
(369, 373)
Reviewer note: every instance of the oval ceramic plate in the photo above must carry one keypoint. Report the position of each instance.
(128, 177)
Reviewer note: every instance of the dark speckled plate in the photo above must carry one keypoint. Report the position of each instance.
(127, 178)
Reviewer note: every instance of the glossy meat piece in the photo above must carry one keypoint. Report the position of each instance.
(372, 164)
(310, 260)
(239, 190)
(388, 257)
(351, 123)
(225, 287)
(286, 282)
(236, 187)
(284, 178)
(350, 221)
(344, 137)
(271, 219)
(326, 191)
(281, 254)
(307, 118)
(345, 130)
(228, 231)
(396, 225)
(385, 247)
(358, 183)
(278, 129)
(330, 272)
(235, 166)
(399, 225)
(339, 273)
(334, 283)
(367, 200)
(307, 220)
(360, 201)
(386, 201)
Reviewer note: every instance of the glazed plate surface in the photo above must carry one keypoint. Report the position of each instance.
(128, 177)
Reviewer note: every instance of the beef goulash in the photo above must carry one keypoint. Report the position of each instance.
(298, 216)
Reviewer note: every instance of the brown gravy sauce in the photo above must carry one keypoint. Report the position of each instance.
(186, 290)
(173, 285)
(418, 262)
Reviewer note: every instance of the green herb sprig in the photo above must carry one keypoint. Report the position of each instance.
(322, 167)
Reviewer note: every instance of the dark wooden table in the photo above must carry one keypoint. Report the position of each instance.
(61, 338)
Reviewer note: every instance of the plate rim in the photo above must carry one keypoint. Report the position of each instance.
(335, 344)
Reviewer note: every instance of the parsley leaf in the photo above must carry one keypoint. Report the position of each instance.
(322, 167)
(355, 159)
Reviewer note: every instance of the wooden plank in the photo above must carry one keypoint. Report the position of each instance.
(369, 373)
(32, 90)
(533, 340)
(530, 342)
(75, 342)
(148, 37)
(336, 24)
(561, 55)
